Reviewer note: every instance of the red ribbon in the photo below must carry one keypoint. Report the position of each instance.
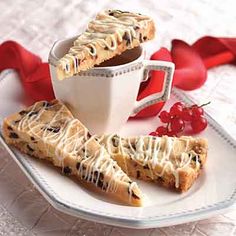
(191, 62)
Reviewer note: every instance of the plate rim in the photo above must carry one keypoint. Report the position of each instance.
(118, 220)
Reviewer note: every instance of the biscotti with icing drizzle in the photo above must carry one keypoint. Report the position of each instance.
(47, 130)
(110, 34)
(173, 162)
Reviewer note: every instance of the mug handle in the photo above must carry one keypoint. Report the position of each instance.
(168, 68)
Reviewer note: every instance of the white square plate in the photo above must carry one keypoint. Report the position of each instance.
(213, 192)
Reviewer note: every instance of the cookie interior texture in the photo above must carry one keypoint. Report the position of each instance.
(109, 34)
(172, 162)
(47, 130)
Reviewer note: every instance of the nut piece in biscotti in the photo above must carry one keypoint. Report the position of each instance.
(110, 34)
(47, 130)
(172, 162)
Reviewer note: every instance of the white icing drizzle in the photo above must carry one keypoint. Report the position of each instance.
(151, 152)
(103, 32)
(156, 149)
(72, 139)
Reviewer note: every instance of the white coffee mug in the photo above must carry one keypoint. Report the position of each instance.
(104, 97)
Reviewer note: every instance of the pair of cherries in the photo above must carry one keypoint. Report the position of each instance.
(179, 116)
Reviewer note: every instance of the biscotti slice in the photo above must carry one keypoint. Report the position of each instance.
(110, 34)
(47, 130)
(172, 162)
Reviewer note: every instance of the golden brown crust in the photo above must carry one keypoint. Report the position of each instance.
(186, 176)
(88, 61)
(35, 144)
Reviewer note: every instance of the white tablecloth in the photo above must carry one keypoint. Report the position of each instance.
(37, 24)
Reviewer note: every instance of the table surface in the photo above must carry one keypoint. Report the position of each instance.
(37, 24)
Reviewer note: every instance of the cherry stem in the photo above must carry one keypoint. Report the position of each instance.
(205, 104)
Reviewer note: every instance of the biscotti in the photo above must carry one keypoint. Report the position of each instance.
(110, 34)
(47, 130)
(172, 162)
